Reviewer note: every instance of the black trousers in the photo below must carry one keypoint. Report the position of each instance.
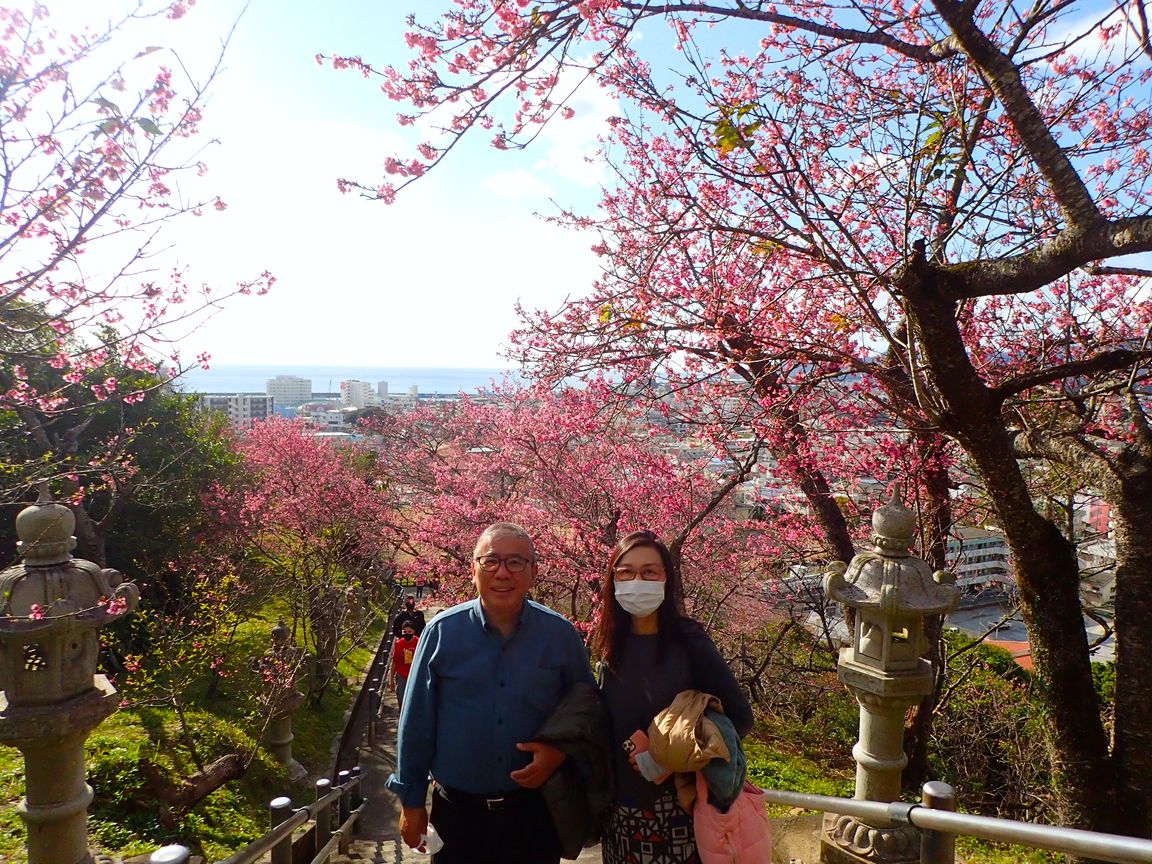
(517, 831)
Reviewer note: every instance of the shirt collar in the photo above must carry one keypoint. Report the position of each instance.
(477, 613)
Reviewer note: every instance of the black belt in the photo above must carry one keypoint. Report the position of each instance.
(496, 801)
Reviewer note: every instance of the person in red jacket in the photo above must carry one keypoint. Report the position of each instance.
(403, 650)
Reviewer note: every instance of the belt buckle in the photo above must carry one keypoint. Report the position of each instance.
(495, 803)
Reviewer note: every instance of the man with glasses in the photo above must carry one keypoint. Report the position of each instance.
(486, 675)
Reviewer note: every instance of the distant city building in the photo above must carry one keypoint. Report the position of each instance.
(979, 557)
(361, 394)
(1098, 573)
(335, 439)
(289, 390)
(326, 416)
(241, 408)
(1093, 516)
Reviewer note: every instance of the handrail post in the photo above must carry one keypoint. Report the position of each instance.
(280, 809)
(373, 710)
(358, 792)
(322, 814)
(169, 855)
(937, 847)
(344, 809)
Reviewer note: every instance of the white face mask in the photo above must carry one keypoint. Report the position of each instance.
(640, 597)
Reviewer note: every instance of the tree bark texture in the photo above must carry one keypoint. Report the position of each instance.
(190, 790)
(1132, 736)
(1047, 570)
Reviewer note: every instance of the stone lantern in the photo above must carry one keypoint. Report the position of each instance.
(280, 667)
(51, 609)
(890, 592)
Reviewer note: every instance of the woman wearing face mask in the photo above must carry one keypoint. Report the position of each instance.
(650, 652)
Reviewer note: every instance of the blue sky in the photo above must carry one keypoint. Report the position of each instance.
(429, 281)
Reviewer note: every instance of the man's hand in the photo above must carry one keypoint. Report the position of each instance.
(413, 823)
(545, 760)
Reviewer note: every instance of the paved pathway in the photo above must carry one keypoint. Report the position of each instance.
(378, 840)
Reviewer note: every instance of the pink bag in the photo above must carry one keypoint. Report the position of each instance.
(743, 835)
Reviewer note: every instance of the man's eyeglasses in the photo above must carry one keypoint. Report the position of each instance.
(626, 574)
(513, 563)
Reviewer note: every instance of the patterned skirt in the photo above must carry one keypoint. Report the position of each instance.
(661, 834)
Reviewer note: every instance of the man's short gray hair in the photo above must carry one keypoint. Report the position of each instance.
(504, 529)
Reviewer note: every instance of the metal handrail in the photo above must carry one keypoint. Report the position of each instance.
(339, 836)
(932, 817)
(1072, 841)
(261, 845)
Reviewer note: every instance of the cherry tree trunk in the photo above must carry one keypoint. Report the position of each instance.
(1047, 572)
(1132, 743)
(936, 520)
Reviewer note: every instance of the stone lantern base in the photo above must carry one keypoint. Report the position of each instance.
(847, 840)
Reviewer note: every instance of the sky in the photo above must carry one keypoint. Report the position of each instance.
(431, 280)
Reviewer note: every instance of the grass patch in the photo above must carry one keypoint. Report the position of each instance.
(976, 851)
(771, 769)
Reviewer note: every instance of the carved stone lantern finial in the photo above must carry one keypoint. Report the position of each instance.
(894, 527)
(45, 531)
(51, 609)
(891, 592)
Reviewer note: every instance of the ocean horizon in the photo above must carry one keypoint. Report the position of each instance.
(236, 378)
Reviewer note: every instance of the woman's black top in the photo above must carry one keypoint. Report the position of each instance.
(645, 681)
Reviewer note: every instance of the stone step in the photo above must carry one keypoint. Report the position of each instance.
(379, 851)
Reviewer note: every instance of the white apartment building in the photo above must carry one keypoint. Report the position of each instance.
(361, 394)
(979, 557)
(1098, 573)
(241, 408)
(326, 416)
(289, 390)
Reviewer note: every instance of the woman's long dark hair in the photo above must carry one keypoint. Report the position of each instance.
(615, 624)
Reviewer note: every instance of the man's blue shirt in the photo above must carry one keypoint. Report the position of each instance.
(473, 695)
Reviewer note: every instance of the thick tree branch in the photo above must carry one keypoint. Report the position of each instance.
(930, 53)
(1002, 76)
(1067, 251)
(1106, 361)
